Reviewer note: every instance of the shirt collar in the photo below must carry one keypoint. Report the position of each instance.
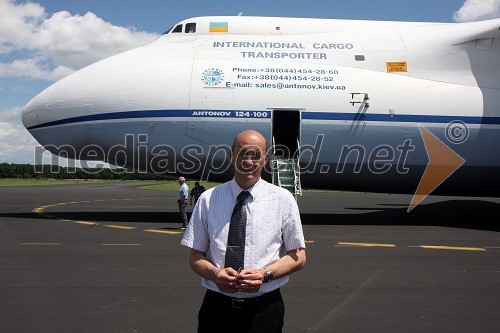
(254, 190)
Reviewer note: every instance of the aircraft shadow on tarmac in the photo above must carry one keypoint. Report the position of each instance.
(468, 214)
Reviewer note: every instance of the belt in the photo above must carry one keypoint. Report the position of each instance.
(242, 303)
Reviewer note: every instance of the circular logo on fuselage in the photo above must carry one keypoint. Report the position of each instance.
(212, 76)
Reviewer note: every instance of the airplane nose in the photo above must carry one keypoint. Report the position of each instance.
(30, 113)
(61, 100)
(92, 105)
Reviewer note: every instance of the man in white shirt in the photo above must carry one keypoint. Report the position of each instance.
(182, 201)
(245, 298)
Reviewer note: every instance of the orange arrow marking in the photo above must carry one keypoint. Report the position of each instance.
(443, 162)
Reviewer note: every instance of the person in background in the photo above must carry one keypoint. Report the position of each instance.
(182, 201)
(196, 191)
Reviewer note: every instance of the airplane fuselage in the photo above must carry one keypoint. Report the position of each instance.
(350, 99)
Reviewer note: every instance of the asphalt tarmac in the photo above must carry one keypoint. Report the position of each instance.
(106, 257)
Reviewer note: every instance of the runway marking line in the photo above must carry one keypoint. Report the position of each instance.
(456, 248)
(120, 244)
(40, 211)
(43, 244)
(364, 244)
(114, 226)
(86, 223)
(163, 231)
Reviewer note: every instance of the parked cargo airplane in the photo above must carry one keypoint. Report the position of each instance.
(355, 105)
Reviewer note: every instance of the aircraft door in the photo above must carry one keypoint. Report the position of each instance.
(286, 132)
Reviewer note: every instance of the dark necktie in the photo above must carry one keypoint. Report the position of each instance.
(235, 251)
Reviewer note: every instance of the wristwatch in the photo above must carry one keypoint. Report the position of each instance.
(269, 275)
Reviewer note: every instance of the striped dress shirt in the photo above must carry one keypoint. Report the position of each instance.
(273, 228)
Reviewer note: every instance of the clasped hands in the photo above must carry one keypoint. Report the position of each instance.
(229, 280)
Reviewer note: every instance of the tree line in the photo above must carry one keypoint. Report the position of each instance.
(29, 171)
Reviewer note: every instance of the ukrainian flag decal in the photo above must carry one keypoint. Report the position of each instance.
(219, 27)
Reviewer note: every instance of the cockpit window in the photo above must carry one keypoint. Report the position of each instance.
(169, 29)
(178, 28)
(190, 28)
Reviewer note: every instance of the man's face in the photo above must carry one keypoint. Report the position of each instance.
(248, 158)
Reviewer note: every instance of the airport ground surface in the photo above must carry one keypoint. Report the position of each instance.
(106, 257)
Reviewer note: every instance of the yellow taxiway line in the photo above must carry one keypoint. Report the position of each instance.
(365, 244)
(163, 231)
(456, 248)
(114, 226)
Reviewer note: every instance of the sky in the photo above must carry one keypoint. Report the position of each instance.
(44, 41)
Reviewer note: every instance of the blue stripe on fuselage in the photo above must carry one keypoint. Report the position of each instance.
(239, 114)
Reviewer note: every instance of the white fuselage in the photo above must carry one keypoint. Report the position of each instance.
(350, 94)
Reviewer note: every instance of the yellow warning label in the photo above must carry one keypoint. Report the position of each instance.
(398, 66)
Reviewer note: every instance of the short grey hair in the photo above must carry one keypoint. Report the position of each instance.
(182, 179)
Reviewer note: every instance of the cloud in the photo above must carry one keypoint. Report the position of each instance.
(477, 10)
(77, 41)
(33, 69)
(18, 146)
(51, 47)
(16, 143)
(36, 45)
(17, 23)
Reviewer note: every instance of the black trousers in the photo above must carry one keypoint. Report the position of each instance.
(220, 314)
